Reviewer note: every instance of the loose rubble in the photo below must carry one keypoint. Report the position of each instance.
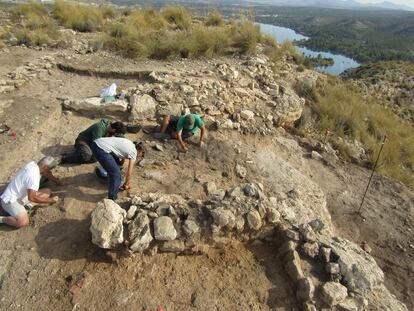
(169, 223)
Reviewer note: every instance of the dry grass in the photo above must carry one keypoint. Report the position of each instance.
(83, 18)
(173, 33)
(215, 19)
(34, 25)
(349, 116)
(177, 16)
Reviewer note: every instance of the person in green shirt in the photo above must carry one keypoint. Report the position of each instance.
(183, 127)
(83, 152)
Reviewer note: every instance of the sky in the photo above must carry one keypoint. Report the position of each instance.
(410, 3)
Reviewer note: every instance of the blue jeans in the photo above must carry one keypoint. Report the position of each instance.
(110, 165)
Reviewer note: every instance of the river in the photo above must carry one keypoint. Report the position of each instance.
(281, 34)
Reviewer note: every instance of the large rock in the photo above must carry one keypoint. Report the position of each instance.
(305, 289)
(359, 270)
(164, 229)
(299, 199)
(288, 108)
(107, 224)
(95, 105)
(333, 293)
(140, 233)
(170, 109)
(190, 227)
(142, 107)
(254, 220)
(223, 218)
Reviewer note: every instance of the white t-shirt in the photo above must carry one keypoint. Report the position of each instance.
(27, 178)
(121, 147)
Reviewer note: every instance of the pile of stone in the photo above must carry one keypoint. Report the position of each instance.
(242, 94)
(22, 74)
(154, 222)
(168, 223)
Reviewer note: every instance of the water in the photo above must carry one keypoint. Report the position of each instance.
(281, 34)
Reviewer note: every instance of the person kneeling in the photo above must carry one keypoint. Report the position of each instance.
(183, 127)
(83, 143)
(25, 186)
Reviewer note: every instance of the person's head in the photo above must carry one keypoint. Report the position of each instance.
(117, 128)
(189, 122)
(46, 164)
(141, 150)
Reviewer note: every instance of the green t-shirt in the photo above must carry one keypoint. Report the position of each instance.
(95, 131)
(197, 124)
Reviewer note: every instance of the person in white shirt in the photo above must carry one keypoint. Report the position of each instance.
(111, 152)
(25, 186)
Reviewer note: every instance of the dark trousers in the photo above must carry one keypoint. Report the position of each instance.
(110, 164)
(81, 154)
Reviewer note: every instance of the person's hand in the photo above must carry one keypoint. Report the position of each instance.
(184, 149)
(201, 144)
(125, 186)
(55, 199)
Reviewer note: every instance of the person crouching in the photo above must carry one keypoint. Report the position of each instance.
(111, 152)
(24, 186)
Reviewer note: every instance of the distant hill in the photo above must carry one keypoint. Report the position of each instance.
(392, 82)
(332, 4)
(364, 35)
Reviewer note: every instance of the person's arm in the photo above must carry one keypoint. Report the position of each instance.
(181, 142)
(202, 135)
(39, 197)
(49, 175)
(126, 184)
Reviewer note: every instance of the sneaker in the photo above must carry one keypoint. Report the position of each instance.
(28, 206)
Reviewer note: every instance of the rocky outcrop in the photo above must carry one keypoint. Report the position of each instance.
(107, 224)
(142, 107)
(95, 105)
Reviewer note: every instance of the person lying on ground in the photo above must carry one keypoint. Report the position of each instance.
(83, 151)
(183, 127)
(111, 153)
(24, 189)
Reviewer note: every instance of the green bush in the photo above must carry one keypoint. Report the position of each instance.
(245, 35)
(214, 18)
(83, 18)
(177, 16)
(305, 90)
(348, 115)
(147, 19)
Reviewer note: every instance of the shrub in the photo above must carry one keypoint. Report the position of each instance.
(245, 36)
(36, 37)
(214, 18)
(33, 15)
(305, 90)
(83, 18)
(109, 12)
(177, 16)
(348, 115)
(147, 19)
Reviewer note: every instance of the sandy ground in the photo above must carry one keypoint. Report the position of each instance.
(39, 263)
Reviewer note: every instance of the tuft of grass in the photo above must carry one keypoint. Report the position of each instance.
(214, 18)
(177, 16)
(305, 90)
(245, 35)
(349, 116)
(83, 18)
(35, 26)
(147, 19)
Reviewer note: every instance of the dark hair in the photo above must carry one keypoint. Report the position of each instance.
(119, 127)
